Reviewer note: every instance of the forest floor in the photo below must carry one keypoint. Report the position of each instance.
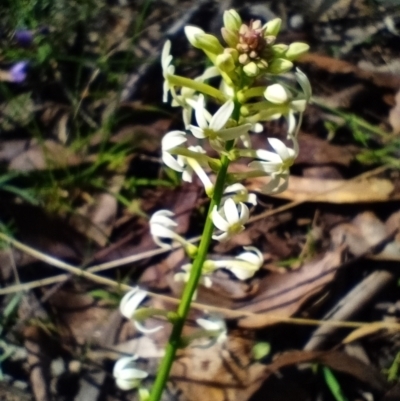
(81, 122)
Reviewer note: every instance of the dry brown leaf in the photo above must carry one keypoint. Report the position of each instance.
(283, 294)
(96, 218)
(317, 151)
(336, 360)
(394, 115)
(222, 372)
(336, 66)
(365, 232)
(332, 191)
(48, 154)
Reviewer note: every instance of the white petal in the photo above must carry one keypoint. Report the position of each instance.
(221, 237)
(221, 117)
(171, 162)
(210, 72)
(291, 122)
(130, 373)
(257, 128)
(173, 139)
(130, 302)
(271, 186)
(304, 83)
(234, 132)
(218, 220)
(266, 167)
(126, 385)
(298, 105)
(163, 217)
(162, 232)
(280, 148)
(191, 32)
(143, 329)
(252, 199)
(242, 273)
(165, 54)
(206, 281)
(244, 213)
(234, 188)
(277, 94)
(268, 156)
(197, 132)
(122, 363)
(231, 212)
(199, 111)
(207, 324)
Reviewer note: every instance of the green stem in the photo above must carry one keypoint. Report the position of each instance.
(190, 288)
(197, 86)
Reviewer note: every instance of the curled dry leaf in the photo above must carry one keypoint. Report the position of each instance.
(336, 360)
(365, 232)
(369, 329)
(303, 189)
(282, 295)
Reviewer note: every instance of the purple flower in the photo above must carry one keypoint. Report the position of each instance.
(18, 72)
(24, 37)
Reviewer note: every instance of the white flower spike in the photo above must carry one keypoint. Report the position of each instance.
(129, 305)
(213, 127)
(230, 219)
(126, 374)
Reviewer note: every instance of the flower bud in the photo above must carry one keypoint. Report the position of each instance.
(279, 50)
(299, 105)
(232, 20)
(225, 62)
(230, 37)
(209, 43)
(295, 50)
(277, 94)
(279, 66)
(204, 41)
(272, 27)
(251, 69)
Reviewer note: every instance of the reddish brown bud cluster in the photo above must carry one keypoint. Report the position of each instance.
(252, 42)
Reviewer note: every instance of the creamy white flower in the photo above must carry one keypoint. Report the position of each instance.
(245, 265)
(277, 94)
(126, 374)
(304, 83)
(184, 276)
(216, 326)
(276, 164)
(129, 305)
(239, 193)
(167, 68)
(171, 141)
(213, 127)
(162, 228)
(192, 165)
(230, 219)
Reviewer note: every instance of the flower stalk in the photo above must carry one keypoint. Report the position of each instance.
(190, 288)
(242, 105)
